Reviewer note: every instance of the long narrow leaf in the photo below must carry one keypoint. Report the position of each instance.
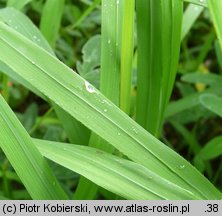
(212, 102)
(209, 79)
(109, 79)
(23, 25)
(198, 2)
(190, 16)
(50, 19)
(215, 8)
(189, 101)
(125, 178)
(127, 55)
(159, 28)
(18, 4)
(212, 149)
(27, 161)
(76, 132)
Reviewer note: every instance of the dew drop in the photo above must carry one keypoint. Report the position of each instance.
(135, 131)
(34, 37)
(106, 102)
(89, 87)
(182, 166)
(118, 133)
(105, 110)
(33, 62)
(109, 41)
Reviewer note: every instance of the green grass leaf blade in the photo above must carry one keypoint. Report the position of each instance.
(218, 49)
(208, 79)
(203, 3)
(212, 102)
(27, 161)
(23, 25)
(89, 106)
(50, 19)
(109, 79)
(212, 149)
(191, 14)
(215, 8)
(189, 101)
(18, 21)
(159, 25)
(76, 131)
(18, 4)
(87, 189)
(123, 177)
(110, 51)
(127, 50)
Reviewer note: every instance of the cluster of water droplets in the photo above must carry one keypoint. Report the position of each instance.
(35, 38)
(91, 89)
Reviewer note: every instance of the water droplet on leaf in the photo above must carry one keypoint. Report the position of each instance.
(89, 87)
(182, 166)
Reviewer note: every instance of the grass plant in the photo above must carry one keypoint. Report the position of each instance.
(128, 124)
